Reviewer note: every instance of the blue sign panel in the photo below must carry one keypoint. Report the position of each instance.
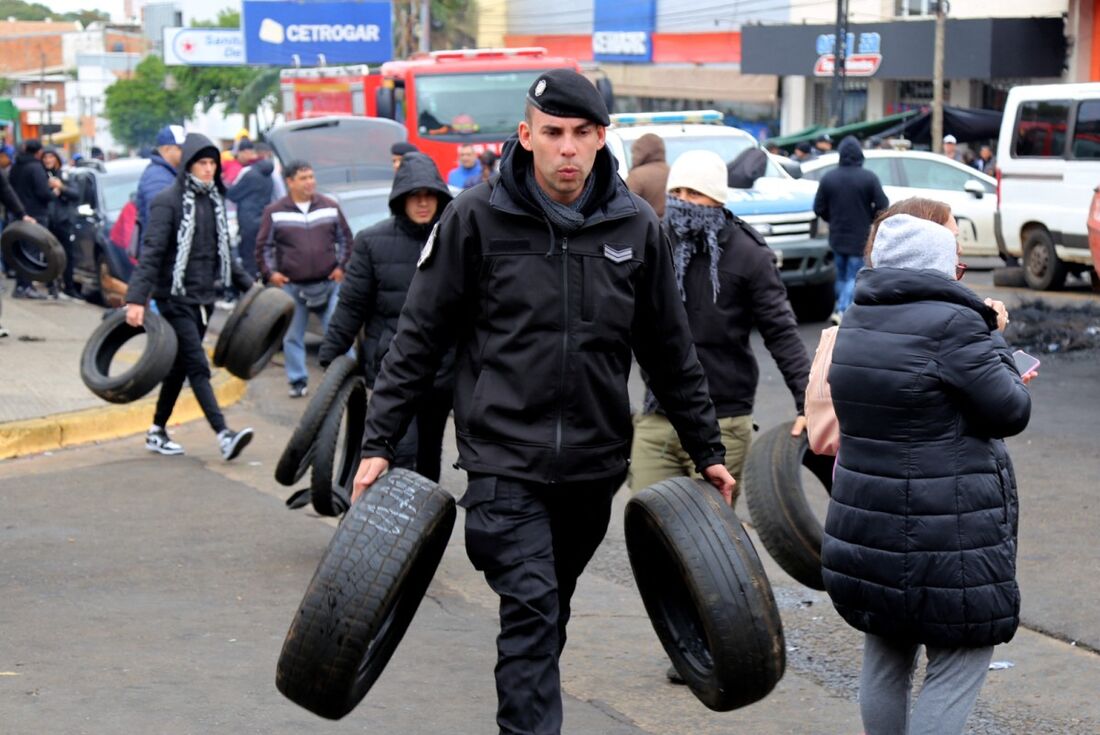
(624, 30)
(316, 33)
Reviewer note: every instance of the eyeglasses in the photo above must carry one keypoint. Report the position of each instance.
(960, 269)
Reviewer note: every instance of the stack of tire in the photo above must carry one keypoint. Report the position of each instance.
(327, 438)
(32, 251)
(252, 334)
(778, 501)
(702, 583)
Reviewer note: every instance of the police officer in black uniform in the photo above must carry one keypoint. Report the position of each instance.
(546, 278)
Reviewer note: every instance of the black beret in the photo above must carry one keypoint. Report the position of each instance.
(402, 147)
(565, 93)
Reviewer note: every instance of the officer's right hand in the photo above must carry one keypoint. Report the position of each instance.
(720, 477)
(370, 469)
(135, 315)
(278, 279)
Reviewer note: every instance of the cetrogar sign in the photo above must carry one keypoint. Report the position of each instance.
(315, 33)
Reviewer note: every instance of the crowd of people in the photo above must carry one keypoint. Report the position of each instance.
(520, 304)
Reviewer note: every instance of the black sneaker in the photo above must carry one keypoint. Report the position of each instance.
(157, 440)
(232, 442)
(298, 390)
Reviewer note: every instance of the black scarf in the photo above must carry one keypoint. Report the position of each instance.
(696, 228)
(566, 218)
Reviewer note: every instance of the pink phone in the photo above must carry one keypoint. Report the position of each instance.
(1025, 363)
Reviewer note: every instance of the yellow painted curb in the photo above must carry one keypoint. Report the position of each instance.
(112, 421)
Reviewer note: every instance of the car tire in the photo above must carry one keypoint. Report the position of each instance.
(336, 453)
(813, 304)
(298, 453)
(1043, 269)
(365, 592)
(32, 251)
(221, 347)
(705, 592)
(147, 373)
(1009, 277)
(773, 489)
(257, 334)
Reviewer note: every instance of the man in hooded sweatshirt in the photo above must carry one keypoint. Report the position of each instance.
(185, 261)
(31, 184)
(649, 172)
(382, 265)
(252, 191)
(848, 198)
(545, 278)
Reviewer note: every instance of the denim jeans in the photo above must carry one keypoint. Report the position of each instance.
(294, 343)
(847, 266)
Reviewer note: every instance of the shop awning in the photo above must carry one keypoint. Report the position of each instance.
(968, 126)
(860, 130)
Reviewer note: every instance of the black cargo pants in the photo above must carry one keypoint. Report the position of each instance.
(532, 541)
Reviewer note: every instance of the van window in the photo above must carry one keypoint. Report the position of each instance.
(1086, 135)
(1041, 129)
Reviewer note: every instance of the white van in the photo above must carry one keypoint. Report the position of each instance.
(1048, 164)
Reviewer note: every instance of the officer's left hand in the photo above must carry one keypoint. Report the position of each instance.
(799, 426)
(720, 477)
(336, 275)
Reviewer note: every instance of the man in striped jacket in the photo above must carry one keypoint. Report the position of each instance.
(303, 247)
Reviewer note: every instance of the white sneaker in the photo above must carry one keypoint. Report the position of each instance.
(232, 442)
(835, 318)
(156, 440)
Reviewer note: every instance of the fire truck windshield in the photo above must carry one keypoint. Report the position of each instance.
(483, 106)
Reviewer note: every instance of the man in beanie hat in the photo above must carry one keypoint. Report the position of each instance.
(728, 282)
(185, 258)
(545, 278)
(399, 149)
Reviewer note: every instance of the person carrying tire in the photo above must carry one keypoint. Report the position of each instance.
(921, 533)
(13, 209)
(31, 184)
(303, 247)
(382, 266)
(545, 278)
(62, 217)
(185, 262)
(728, 283)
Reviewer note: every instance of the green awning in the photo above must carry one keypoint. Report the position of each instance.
(8, 113)
(859, 130)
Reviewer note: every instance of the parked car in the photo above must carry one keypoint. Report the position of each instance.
(1048, 163)
(101, 267)
(905, 174)
(778, 206)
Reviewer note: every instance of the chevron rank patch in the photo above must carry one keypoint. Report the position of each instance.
(617, 256)
(429, 246)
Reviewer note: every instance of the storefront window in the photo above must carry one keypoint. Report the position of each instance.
(1086, 136)
(904, 8)
(1041, 129)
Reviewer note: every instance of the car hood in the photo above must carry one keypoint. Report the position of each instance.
(772, 195)
(340, 149)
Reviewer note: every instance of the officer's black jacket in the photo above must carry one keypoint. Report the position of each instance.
(751, 294)
(920, 539)
(382, 265)
(544, 326)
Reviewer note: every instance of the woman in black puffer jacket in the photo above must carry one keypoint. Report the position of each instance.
(920, 539)
(383, 263)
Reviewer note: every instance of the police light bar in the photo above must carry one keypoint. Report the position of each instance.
(658, 118)
(487, 53)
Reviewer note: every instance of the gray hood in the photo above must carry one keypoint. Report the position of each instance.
(904, 241)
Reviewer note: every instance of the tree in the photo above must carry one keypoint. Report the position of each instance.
(209, 85)
(139, 107)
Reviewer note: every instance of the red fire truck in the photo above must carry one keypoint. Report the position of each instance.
(443, 98)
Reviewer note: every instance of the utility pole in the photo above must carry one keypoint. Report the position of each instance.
(425, 25)
(840, 60)
(937, 77)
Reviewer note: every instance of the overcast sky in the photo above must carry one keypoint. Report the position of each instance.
(205, 9)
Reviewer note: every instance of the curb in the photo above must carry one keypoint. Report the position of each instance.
(112, 421)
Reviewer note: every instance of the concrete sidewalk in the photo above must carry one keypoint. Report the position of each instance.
(44, 404)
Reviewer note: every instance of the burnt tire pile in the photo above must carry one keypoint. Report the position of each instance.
(32, 251)
(364, 593)
(254, 331)
(781, 512)
(705, 592)
(327, 438)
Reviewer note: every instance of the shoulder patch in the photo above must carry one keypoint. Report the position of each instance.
(429, 246)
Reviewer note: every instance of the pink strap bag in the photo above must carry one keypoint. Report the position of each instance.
(821, 423)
